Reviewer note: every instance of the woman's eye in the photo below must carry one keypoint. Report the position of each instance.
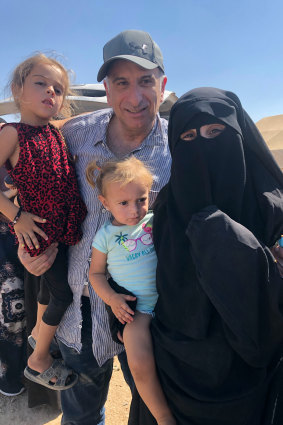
(215, 131)
(189, 135)
(211, 131)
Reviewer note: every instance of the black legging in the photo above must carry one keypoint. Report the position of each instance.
(53, 288)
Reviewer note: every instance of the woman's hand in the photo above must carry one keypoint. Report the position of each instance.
(119, 306)
(277, 251)
(25, 229)
(40, 264)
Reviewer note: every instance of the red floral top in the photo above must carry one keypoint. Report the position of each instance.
(47, 185)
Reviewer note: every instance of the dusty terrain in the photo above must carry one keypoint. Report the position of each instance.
(14, 410)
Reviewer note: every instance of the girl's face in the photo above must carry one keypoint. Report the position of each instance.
(42, 94)
(128, 204)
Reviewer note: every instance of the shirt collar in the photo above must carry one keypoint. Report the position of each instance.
(155, 137)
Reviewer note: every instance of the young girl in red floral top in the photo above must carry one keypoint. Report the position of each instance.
(51, 209)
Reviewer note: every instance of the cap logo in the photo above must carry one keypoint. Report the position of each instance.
(134, 47)
(144, 48)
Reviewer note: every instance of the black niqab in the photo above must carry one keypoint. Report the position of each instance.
(219, 324)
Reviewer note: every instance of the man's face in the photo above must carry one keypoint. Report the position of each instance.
(135, 95)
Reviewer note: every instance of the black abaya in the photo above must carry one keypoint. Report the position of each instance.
(218, 328)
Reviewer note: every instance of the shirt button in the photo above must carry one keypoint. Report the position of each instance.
(104, 210)
(80, 326)
(85, 283)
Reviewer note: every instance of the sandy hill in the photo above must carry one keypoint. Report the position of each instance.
(271, 129)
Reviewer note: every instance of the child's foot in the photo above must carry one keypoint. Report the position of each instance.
(40, 364)
(64, 377)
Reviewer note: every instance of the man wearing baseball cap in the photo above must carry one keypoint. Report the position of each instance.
(133, 76)
(133, 46)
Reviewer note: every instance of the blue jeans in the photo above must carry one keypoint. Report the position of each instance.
(83, 404)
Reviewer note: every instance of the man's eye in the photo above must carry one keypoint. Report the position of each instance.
(122, 83)
(147, 81)
(189, 135)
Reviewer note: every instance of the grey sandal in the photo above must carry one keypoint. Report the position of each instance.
(65, 377)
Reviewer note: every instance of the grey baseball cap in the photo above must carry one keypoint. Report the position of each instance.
(132, 45)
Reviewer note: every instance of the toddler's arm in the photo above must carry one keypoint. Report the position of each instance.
(99, 283)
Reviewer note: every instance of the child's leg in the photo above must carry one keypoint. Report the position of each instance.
(41, 360)
(40, 311)
(43, 298)
(56, 281)
(138, 344)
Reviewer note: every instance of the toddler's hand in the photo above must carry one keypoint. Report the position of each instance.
(25, 229)
(119, 306)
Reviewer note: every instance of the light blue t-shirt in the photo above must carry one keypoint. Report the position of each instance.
(131, 259)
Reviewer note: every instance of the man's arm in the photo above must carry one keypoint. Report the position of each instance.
(59, 123)
(40, 264)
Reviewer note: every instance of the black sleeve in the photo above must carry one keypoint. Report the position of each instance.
(241, 279)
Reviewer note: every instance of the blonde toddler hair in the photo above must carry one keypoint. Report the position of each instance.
(119, 171)
(24, 69)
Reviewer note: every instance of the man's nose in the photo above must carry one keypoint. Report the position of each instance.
(136, 95)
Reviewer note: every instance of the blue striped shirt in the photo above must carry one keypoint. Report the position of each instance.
(86, 139)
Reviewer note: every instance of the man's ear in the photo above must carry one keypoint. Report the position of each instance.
(103, 201)
(163, 84)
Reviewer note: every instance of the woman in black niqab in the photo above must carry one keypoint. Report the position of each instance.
(218, 328)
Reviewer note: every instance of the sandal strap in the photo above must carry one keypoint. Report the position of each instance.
(57, 370)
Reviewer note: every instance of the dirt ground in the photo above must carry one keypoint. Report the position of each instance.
(14, 410)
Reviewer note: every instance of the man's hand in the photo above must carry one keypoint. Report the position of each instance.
(277, 251)
(40, 264)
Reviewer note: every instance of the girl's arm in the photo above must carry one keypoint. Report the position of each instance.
(8, 151)
(99, 283)
(25, 225)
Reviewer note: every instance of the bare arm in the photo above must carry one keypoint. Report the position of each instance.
(59, 123)
(99, 283)
(25, 227)
(8, 151)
